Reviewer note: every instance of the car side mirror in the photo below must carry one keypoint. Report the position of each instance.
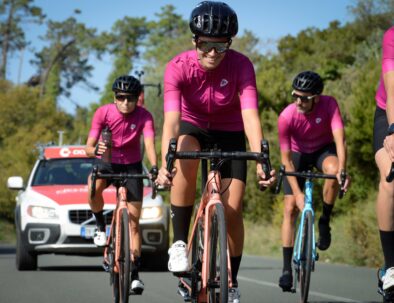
(15, 183)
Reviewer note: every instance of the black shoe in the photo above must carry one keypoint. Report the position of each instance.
(286, 281)
(324, 235)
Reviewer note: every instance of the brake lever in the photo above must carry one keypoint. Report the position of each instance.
(265, 162)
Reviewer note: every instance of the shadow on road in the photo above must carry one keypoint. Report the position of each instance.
(7, 250)
(72, 268)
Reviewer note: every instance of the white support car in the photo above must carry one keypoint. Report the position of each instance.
(52, 214)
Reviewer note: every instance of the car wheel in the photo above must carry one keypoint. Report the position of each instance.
(25, 260)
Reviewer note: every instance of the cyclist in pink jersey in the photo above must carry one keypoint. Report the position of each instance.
(126, 121)
(310, 134)
(210, 97)
(384, 156)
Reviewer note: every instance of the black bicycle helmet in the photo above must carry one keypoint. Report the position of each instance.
(308, 82)
(213, 19)
(127, 84)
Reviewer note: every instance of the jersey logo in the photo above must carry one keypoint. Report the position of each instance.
(133, 126)
(224, 82)
(318, 120)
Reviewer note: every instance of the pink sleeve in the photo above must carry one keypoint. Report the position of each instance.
(172, 91)
(247, 86)
(98, 122)
(336, 119)
(149, 127)
(283, 133)
(388, 51)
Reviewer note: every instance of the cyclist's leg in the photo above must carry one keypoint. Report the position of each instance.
(183, 193)
(97, 204)
(290, 213)
(233, 175)
(385, 211)
(327, 162)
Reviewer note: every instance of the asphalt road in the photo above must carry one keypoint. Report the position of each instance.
(63, 279)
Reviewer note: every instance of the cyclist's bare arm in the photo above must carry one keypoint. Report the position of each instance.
(170, 130)
(389, 85)
(254, 134)
(339, 139)
(94, 147)
(150, 150)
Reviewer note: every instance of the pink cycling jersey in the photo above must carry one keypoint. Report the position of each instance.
(210, 99)
(387, 66)
(307, 133)
(126, 131)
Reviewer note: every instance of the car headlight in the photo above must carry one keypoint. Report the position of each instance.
(151, 212)
(41, 212)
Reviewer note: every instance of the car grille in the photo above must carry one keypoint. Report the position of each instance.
(81, 215)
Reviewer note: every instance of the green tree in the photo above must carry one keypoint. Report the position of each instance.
(13, 13)
(123, 43)
(65, 62)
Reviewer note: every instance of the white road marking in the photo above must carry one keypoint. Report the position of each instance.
(314, 293)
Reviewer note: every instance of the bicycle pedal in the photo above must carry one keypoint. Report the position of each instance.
(317, 257)
(106, 267)
(184, 293)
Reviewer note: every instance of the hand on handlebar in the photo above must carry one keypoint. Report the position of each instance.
(262, 180)
(164, 178)
(347, 181)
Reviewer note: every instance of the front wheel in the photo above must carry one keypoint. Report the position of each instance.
(124, 258)
(306, 256)
(218, 267)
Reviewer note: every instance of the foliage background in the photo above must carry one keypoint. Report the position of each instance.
(346, 55)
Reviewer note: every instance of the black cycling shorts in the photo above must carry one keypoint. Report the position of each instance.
(135, 187)
(225, 141)
(305, 162)
(380, 127)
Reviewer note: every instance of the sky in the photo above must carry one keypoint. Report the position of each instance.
(269, 20)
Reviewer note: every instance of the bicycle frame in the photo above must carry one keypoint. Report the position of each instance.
(121, 203)
(308, 207)
(311, 254)
(121, 214)
(210, 198)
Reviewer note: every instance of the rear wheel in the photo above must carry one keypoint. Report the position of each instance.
(114, 276)
(306, 257)
(197, 255)
(218, 267)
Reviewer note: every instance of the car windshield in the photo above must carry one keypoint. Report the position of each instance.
(63, 171)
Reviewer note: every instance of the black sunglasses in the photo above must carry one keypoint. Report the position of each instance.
(207, 46)
(130, 98)
(304, 99)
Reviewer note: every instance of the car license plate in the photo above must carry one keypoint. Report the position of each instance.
(87, 231)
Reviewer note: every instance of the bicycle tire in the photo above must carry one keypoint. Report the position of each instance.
(306, 257)
(124, 258)
(197, 254)
(114, 276)
(217, 287)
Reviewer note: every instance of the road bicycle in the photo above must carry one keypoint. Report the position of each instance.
(118, 251)
(209, 278)
(305, 255)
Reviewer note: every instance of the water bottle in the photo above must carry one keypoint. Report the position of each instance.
(106, 136)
